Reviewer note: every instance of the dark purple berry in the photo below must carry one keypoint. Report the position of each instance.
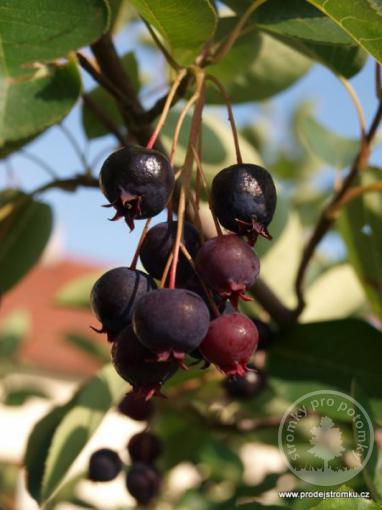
(137, 182)
(144, 447)
(230, 342)
(244, 199)
(143, 483)
(136, 408)
(171, 322)
(138, 366)
(248, 386)
(158, 245)
(228, 266)
(104, 465)
(114, 295)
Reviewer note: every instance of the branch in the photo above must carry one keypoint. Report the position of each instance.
(104, 119)
(330, 212)
(70, 185)
(282, 315)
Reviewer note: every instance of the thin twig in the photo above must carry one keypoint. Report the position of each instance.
(169, 58)
(231, 118)
(104, 119)
(71, 184)
(378, 81)
(226, 45)
(166, 108)
(39, 162)
(76, 147)
(357, 104)
(330, 212)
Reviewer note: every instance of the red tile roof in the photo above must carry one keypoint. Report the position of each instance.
(44, 346)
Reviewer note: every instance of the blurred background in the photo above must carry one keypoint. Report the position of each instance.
(306, 135)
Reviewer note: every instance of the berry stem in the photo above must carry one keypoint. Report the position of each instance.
(187, 169)
(231, 118)
(227, 44)
(179, 125)
(133, 264)
(166, 271)
(212, 303)
(205, 184)
(174, 87)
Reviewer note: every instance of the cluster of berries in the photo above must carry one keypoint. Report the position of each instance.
(142, 477)
(153, 329)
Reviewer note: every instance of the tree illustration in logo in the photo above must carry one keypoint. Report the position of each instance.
(326, 441)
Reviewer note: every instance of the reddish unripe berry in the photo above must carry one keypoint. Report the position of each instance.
(137, 365)
(144, 447)
(143, 483)
(228, 266)
(230, 342)
(136, 408)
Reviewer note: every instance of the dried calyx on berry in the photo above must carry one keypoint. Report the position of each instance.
(244, 199)
(137, 182)
(143, 483)
(230, 342)
(114, 296)
(136, 408)
(159, 243)
(104, 465)
(248, 386)
(144, 447)
(228, 266)
(171, 322)
(138, 365)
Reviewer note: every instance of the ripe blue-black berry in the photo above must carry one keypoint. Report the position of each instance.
(114, 295)
(137, 182)
(138, 366)
(171, 322)
(244, 199)
(143, 483)
(144, 447)
(104, 465)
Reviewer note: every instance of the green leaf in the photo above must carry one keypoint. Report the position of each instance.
(360, 224)
(88, 346)
(185, 24)
(38, 448)
(223, 464)
(76, 293)
(346, 503)
(44, 30)
(25, 227)
(333, 295)
(327, 354)
(60, 436)
(331, 148)
(19, 397)
(12, 332)
(92, 126)
(307, 30)
(257, 67)
(31, 103)
(361, 19)
(370, 471)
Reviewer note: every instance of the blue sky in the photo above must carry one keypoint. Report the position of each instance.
(79, 217)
